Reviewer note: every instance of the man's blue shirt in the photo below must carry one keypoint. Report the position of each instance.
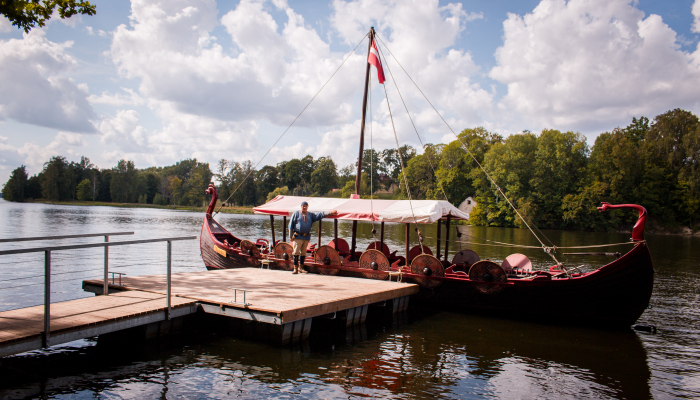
(303, 228)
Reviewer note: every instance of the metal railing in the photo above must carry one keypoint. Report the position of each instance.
(85, 235)
(47, 266)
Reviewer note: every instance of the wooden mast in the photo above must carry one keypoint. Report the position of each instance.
(358, 177)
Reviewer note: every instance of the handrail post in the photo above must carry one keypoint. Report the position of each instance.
(105, 284)
(47, 298)
(170, 265)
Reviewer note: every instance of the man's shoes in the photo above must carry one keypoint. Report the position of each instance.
(296, 270)
(302, 270)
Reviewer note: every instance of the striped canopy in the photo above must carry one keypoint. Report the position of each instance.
(404, 211)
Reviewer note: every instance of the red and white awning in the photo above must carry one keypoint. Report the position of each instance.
(423, 211)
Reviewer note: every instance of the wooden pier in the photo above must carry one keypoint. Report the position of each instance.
(22, 329)
(280, 304)
(287, 302)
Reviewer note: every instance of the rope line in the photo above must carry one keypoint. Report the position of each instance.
(403, 171)
(414, 126)
(290, 125)
(544, 247)
(371, 160)
(537, 247)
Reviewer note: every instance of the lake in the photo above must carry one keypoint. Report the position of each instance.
(426, 354)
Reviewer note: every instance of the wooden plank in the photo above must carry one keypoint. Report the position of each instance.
(76, 314)
(292, 297)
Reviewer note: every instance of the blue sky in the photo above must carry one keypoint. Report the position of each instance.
(159, 81)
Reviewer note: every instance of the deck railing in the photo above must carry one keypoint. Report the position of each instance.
(47, 264)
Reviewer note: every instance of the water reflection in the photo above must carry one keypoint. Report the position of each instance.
(436, 354)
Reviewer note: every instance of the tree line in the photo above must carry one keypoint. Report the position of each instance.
(554, 178)
(183, 183)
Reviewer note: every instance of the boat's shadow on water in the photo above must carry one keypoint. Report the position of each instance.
(423, 353)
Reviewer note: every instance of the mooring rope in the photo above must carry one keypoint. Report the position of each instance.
(403, 171)
(290, 125)
(544, 247)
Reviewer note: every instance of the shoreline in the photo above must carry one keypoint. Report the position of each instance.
(680, 231)
(226, 210)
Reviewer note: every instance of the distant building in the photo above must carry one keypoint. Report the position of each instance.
(467, 205)
(383, 180)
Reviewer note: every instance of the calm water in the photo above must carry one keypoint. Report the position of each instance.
(427, 354)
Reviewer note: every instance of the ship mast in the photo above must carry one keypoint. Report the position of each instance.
(358, 177)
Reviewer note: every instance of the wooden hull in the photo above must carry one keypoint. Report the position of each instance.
(209, 243)
(615, 295)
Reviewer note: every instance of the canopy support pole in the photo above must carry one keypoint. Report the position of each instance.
(320, 222)
(447, 236)
(272, 227)
(408, 236)
(381, 235)
(354, 240)
(284, 228)
(437, 253)
(335, 232)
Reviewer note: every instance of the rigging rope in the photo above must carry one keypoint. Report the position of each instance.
(538, 247)
(403, 171)
(547, 249)
(414, 126)
(290, 125)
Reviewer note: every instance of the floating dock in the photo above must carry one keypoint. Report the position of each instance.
(282, 304)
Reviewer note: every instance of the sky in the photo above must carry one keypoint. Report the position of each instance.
(158, 81)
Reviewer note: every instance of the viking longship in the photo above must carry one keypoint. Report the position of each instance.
(614, 295)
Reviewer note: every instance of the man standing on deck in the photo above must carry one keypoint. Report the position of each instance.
(300, 232)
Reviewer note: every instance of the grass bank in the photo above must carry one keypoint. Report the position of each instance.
(225, 210)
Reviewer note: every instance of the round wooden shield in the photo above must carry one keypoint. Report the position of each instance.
(249, 248)
(484, 273)
(281, 249)
(518, 263)
(333, 259)
(427, 265)
(381, 264)
(467, 257)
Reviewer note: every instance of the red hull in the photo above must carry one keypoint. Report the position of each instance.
(615, 295)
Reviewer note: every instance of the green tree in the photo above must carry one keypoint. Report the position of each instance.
(324, 177)
(266, 182)
(55, 183)
(25, 14)
(14, 188)
(283, 191)
(85, 190)
(124, 182)
(391, 158)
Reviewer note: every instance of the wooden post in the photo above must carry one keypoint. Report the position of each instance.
(335, 232)
(408, 236)
(170, 269)
(272, 227)
(320, 225)
(284, 228)
(354, 240)
(358, 177)
(439, 224)
(105, 285)
(381, 236)
(47, 299)
(447, 236)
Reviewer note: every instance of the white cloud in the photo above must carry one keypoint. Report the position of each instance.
(696, 14)
(422, 36)
(131, 98)
(590, 64)
(33, 88)
(92, 32)
(64, 144)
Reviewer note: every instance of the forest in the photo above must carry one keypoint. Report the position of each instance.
(554, 178)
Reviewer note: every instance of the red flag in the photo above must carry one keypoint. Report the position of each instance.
(376, 61)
